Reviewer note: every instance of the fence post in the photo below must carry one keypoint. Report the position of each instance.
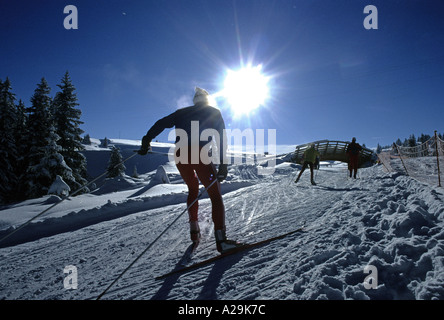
(437, 158)
(400, 157)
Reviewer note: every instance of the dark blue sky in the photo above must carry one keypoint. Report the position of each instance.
(133, 62)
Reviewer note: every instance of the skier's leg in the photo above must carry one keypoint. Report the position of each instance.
(207, 174)
(350, 167)
(190, 178)
(304, 166)
(355, 166)
(312, 173)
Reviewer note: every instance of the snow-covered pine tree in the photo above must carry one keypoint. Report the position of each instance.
(115, 166)
(44, 159)
(8, 150)
(67, 124)
(59, 187)
(105, 143)
(51, 166)
(21, 134)
(39, 122)
(86, 140)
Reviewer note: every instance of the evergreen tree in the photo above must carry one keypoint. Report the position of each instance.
(411, 142)
(405, 143)
(67, 124)
(44, 159)
(21, 134)
(105, 143)
(423, 138)
(87, 140)
(39, 122)
(51, 165)
(115, 166)
(8, 150)
(378, 148)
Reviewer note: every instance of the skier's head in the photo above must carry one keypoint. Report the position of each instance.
(354, 139)
(201, 96)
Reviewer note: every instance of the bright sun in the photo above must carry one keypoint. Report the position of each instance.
(246, 89)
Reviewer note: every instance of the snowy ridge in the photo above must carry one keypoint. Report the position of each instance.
(98, 209)
(389, 221)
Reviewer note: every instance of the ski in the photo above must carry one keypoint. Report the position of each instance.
(231, 252)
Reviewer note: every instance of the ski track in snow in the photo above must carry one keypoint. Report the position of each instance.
(390, 221)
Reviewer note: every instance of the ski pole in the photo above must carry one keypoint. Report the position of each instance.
(70, 195)
(155, 240)
(157, 152)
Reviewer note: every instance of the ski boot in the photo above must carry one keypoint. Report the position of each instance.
(194, 232)
(223, 244)
(313, 183)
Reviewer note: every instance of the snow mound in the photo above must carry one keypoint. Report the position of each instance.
(115, 184)
(161, 175)
(52, 199)
(59, 187)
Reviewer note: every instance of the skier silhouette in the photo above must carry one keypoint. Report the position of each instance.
(353, 151)
(310, 156)
(208, 117)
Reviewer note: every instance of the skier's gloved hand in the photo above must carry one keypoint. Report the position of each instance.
(143, 152)
(146, 146)
(222, 173)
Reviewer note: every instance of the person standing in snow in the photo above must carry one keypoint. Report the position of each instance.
(353, 151)
(208, 117)
(310, 156)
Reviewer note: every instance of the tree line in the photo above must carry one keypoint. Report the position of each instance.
(40, 142)
(411, 141)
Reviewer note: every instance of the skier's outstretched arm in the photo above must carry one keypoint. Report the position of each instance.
(155, 130)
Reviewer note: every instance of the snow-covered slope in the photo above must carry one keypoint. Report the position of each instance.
(389, 221)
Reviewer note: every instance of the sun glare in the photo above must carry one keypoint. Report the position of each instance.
(246, 89)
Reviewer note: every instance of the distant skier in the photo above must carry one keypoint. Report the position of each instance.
(353, 151)
(309, 156)
(207, 117)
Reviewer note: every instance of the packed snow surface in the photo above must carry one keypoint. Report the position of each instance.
(390, 222)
